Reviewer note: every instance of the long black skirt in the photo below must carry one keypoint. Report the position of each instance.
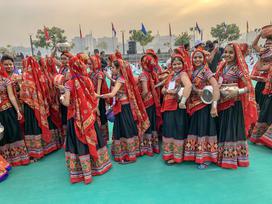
(150, 143)
(232, 142)
(151, 112)
(78, 159)
(36, 145)
(175, 130)
(125, 145)
(265, 115)
(63, 110)
(103, 119)
(12, 146)
(201, 143)
(262, 132)
(258, 93)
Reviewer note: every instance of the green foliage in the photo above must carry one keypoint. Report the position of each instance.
(139, 36)
(182, 39)
(224, 32)
(56, 35)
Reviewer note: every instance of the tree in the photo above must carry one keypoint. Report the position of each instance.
(225, 32)
(7, 51)
(102, 45)
(182, 39)
(139, 36)
(56, 36)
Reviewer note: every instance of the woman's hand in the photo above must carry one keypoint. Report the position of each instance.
(182, 106)
(19, 115)
(62, 99)
(97, 111)
(232, 93)
(214, 112)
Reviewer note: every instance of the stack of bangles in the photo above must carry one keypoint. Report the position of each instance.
(183, 100)
(214, 104)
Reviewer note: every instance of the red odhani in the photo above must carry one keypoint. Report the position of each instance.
(248, 100)
(152, 104)
(12, 146)
(135, 99)
(232, 142)
(34, 94)
(175, 120)
(85, 104)
(86, 154)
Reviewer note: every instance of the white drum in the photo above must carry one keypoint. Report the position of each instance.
(64, 47)
(207, 96)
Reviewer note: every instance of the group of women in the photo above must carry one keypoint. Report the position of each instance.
(45, 109)
(262, 132)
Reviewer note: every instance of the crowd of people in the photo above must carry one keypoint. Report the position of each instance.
(65, 102)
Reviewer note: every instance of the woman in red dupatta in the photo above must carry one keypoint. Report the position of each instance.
(12, 145)
(99, 81)
(131, 120)
(236, 109)
(15, 78)
(201, 143)
(151, 98)
(157, 68)
(34, 93)
(48, 68)
(59, 81)
(85, 150)
(262, 132)
(175, 117)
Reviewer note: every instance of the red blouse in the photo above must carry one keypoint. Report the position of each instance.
(170, 101)
(229, 76)
(200, 79)
(95, 76)
(4, 99)
(148, 100)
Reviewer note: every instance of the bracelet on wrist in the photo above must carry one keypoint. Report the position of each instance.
(242, 91)
(214, 104)
(183, 100)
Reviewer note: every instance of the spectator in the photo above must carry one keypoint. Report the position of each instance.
(215, 54)
(104, 63)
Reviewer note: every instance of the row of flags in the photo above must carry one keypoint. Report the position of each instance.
(144, 30)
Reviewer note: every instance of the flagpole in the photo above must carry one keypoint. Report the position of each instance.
(31, 45)
(194, 35)
(80, 37)
(123, 41)
(112, 34)
(112, 43)
(170, 33)
(247, 29)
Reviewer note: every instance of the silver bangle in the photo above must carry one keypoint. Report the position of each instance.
(242, 91)
(183, 100)
(214, 104)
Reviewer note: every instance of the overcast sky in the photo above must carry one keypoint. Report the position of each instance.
(19, 18)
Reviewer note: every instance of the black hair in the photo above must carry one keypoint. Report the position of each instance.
(102, 52)
(269, 38)
(7, 57)
(176, 58)
(116, 64)
(187, 46)
(96, 50)
(208, 42)
(215, 41)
